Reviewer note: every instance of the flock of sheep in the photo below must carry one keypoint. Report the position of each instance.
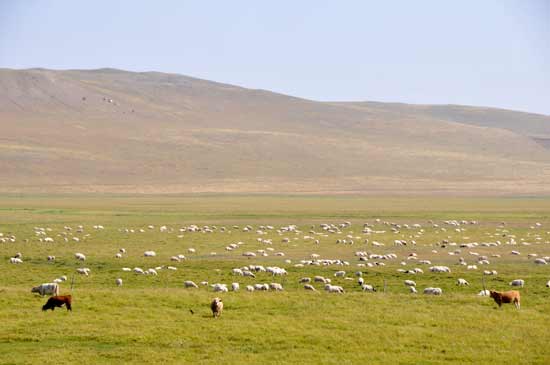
(360, 246)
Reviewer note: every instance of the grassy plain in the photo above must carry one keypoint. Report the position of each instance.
(148, 319)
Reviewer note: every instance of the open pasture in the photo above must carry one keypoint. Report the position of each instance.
(149, 318)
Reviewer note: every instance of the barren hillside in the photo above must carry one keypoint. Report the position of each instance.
(115, 131)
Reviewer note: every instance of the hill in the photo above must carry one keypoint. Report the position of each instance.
(109, 130)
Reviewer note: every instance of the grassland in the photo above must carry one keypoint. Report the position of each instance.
(148, 319)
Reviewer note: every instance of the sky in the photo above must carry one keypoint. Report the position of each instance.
(487, 53)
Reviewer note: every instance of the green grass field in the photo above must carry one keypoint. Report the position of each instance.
(148, 319)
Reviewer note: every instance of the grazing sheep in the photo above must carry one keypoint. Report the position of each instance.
(138, 270)
(190, 284)
(319, 279)
(334, 288)
(305, 280)
(433, 291)
(149, 254)
(237, 271)
(541, 261)
(249, 274)
(80, 256)
(462, 282)
(118, 282)
(518, 282)
(235, 286)
(412, 289)
(249, 288)
(340, 274)
(548, 284)
(58, 301)
(309, 287)
(83, 271)
(511, 296)
(259, 286)
(118, 256)
(484, 293)
(440, 269)
(46, 288)
(367, 287)
(220, 288)
(16, 260)
(276, 286)
(217, 307)
(51, 258)
(410, 283)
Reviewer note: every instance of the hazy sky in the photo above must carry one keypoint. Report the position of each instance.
(493, 53)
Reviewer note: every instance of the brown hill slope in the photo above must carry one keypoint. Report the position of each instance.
(115, 131)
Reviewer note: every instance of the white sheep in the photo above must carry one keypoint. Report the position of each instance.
(462, 282)
(83, 271)
(440, 269)
(410, 283)
(319, 279)
(16, 260)
(149, 254)
(340, 274)
(190, 284)
(235, 287)
(220, 288)
(47, 288)
(249, 288)
(80, 256)
(309, 287)
(433, 291)
(276, 286)
(261, 287)
(412, 289)
(118, 282)
(334, 288)
(367, 287)
(518, 282)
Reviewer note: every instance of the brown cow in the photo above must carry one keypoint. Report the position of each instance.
(58, 301)
(511, 296)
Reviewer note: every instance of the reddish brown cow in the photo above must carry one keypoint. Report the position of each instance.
(511, 296)
(58, 301)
